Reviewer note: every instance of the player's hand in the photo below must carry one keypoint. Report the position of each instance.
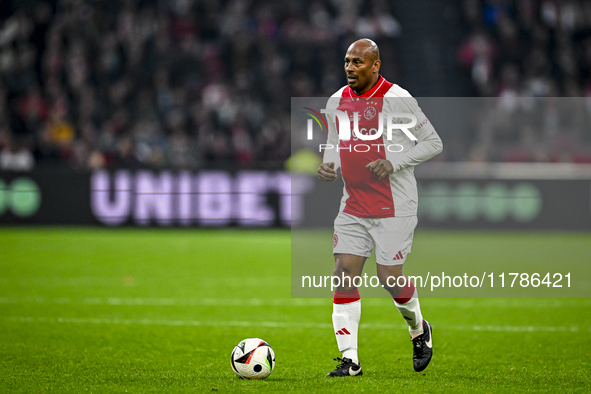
(327, 173)
(382, 168)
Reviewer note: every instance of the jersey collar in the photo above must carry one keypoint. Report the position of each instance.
(371, 92)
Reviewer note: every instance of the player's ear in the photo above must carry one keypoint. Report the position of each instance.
(376, 65)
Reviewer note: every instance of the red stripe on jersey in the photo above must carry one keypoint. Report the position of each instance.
(369, 197)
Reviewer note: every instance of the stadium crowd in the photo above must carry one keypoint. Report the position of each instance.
(530, 48)
(199, 84)
(539, 48)
(180, 83)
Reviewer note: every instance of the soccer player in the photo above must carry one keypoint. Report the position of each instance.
(379, 204)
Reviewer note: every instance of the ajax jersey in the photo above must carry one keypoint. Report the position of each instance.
(364, 194)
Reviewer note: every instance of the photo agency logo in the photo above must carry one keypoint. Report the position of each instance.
(350, 132)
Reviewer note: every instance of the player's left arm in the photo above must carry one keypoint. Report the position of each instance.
(428, 145)
(428, 142)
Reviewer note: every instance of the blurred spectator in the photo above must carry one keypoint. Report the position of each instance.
(478, 53)
(15, 156)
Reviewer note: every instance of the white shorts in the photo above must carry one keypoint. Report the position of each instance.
(392, 237)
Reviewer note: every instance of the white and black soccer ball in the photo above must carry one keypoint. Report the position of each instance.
(253, 358)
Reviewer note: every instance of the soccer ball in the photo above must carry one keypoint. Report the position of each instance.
(253, 358)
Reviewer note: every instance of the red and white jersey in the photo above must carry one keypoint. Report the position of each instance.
(364, 194)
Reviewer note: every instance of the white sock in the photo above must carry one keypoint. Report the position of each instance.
(411, 311)
(345, 320)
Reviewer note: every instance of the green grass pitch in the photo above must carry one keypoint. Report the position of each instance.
(148, 310)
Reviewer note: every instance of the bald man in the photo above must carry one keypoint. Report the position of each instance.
(379, 205)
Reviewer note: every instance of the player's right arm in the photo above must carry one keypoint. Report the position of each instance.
(327, 172)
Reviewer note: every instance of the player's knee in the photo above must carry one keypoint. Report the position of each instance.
(341, 269)
(390, 282)
(342, 278)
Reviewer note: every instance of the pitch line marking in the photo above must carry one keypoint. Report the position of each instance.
(270, 324)
(118, 281)
(138, 301)
(368, 302)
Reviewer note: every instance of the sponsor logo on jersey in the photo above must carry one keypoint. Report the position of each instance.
(346, 132)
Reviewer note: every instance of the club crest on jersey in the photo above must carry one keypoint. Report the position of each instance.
(370, 112)
(335, 241)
